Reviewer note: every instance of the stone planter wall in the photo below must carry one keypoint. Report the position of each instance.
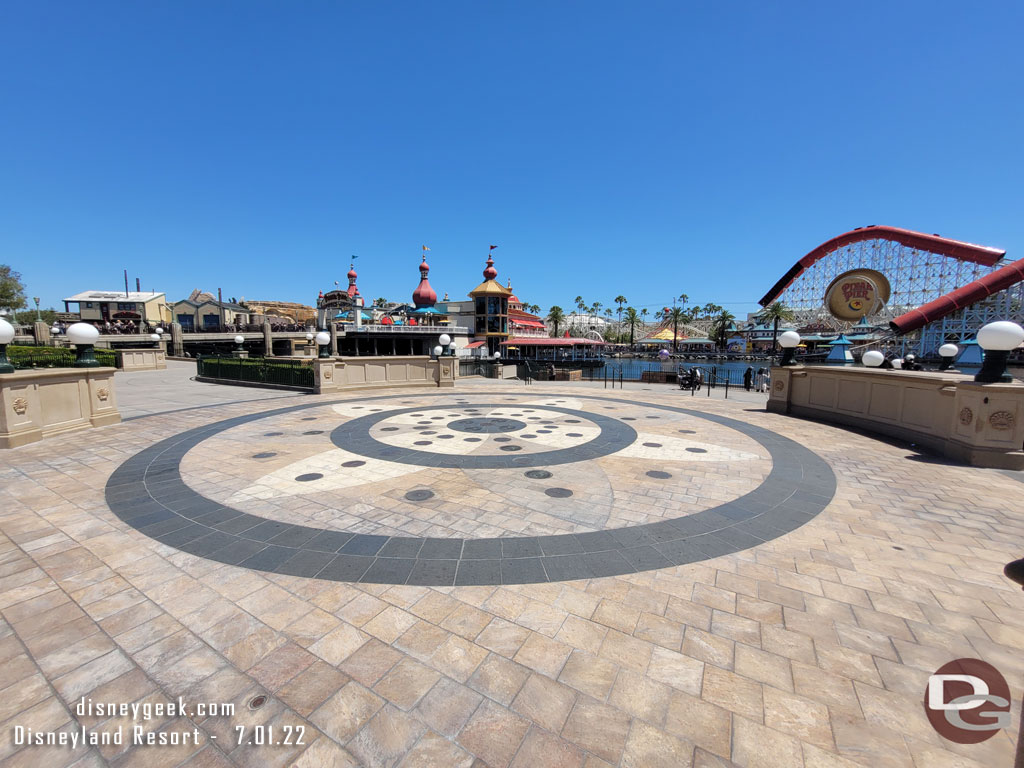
(948, 413)
(40, 403)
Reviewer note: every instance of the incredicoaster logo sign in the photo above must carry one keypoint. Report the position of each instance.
(967, 701)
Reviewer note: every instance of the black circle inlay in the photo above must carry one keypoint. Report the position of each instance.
(389, 429)
(264, 455)
(558, 493)
(573, 434)
(688, 431)
(503, 439)
(652, 445)
(696, 450)
(309, 476)
(356, 463)
(445, 437)
(148, 493)
(488, 425)
(420, 494)
(538, 474)
(314, 432)
(658, 474)
(309, 418)
(272, 434)
(510, 448)
(472, 439)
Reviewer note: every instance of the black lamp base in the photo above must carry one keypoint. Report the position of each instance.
(787, 356)
(84, 357)
(993, 368)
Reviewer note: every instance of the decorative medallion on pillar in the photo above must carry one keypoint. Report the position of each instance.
(20, 405)
(966, 416)
(102, 394)
(779, 386)
(1001, 420)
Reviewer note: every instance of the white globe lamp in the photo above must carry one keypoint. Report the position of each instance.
(788, 340)
(6, 337)
(947, 352)
(323, 339)
(83, 336)
(437, 351)
(872, 358)
(998, 339)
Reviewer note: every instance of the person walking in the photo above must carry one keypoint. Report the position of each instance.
(748, 378)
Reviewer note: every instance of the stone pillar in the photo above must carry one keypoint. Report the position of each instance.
(177, 341)
(268, 340)
(334, 339)
(326, 372)
(779, 387)
(42, 333)
(444, 371)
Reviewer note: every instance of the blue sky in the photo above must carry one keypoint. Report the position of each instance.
(648, 149)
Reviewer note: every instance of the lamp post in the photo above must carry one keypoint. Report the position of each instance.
(83, 336)
(438, 351)
(997, 339)
(445, 341)
(788, 340)
(239, 340)
(6, 337)
(324, 340)
(39, 317)
(947, 352)
(872, 358)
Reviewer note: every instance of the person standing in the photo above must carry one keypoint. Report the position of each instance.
(748, 378)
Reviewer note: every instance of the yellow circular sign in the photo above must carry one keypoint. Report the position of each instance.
(856, 294)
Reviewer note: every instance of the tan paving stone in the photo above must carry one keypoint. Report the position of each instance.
(448, 706)
(541, 748)
(583, 634)
(499, 679)
(458, 658)
(732, 692)
(310, 688)
(597, 728)
(433, 750)
(699, 722)
(650, 747)
(764, 667)
(544, 702)
(502, 637)
(756, 746)
(406, 683)
(626, 651)
(493, 734)
(591, 675)
(543, 655)
(348, 710)
(371, 662)
(386, 738)
(708, 647)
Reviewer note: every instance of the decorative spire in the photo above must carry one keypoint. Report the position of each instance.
(352, 290)
(490, 272)
(424, 296)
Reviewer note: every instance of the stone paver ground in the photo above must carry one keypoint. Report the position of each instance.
(812, 649)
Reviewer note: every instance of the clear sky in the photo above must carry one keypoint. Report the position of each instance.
(642, 148)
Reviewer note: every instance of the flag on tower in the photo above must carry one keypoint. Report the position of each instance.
(493, 247)
(425, 248)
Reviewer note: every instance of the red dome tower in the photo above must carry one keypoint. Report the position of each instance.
(424, 296)
(352, 290)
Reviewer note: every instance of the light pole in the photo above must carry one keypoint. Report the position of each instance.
(39, 318)
(997, 339)
(445, 341)
(83, 336)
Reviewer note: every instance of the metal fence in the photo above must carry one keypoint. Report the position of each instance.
(24, 358)
(285, 373)
(485, 368)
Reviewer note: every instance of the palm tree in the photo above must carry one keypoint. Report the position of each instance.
(380, 302)
(677, 315)
(556, 317)
(632, 318)
(580, 303)
(621, 300)
(643, 317)
(775, 313)
(595, 307)
(720, 328)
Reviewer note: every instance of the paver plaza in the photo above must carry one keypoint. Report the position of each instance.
(555, 575)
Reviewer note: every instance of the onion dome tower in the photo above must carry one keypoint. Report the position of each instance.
(352, 289)
(424, 296)
(490, 303)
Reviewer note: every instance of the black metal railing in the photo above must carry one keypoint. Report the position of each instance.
(260, 370)
(24, 358)
(485, 368)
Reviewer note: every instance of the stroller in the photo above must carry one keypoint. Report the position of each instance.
(688, 379)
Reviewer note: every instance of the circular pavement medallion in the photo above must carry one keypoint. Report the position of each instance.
(148, 492)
